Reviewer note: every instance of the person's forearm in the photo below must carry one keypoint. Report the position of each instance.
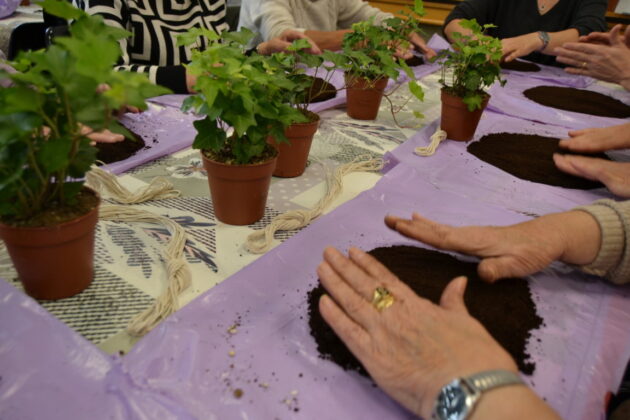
(512, 402)
(556, 39)
(454, 26)
(327, 40)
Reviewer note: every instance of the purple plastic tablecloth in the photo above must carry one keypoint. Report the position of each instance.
(453, 169)
(164, 131)
(243, 349)
(510, 100)
(583, 346)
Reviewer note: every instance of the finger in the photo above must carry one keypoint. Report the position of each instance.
(355, 306)
(378, 271)
(434, 234)
(452, 297)
(351, 273)
(496, 268)
(353, 335)
(564, 165)
(615, 35)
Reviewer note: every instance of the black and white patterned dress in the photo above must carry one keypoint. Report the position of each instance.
(155, 24)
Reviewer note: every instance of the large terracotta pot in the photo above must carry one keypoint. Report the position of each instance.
(459, 123)
(53, 262)
(292, 156)
(239, 192)
(364, 97)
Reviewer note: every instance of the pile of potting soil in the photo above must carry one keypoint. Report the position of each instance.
(530, 157)
(505, 308)
(518, 65)
(578, 100)
(114, 152)
(321, 90)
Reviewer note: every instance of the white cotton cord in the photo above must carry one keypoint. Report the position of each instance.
(260, 241)
(177, 269)
(7, 271)
(438, 137)
(102, 181)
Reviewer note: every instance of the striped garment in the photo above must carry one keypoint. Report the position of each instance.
(155, 24)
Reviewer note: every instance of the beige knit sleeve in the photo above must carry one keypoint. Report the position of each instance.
(353, 11)
(613, 259)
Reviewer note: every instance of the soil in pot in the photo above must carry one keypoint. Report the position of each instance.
(518, 65)
(505, 308)
(415, 61)
(239, 192)
(57, 260)
(114, 152)
(578, 100)
(292, 156)
(364, 97)
(529, 157)
(459, 123)
(321, 90)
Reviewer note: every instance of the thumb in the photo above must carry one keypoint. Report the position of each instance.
(496, 268)
(615, 35)
(453, 296)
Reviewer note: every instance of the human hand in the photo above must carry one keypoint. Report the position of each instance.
(609, 62)
(520, 46)
(605, 37)
(104, 136)
(614, 175)
(281, 43)
(512, 251)
(422, 46)
(592, 140)
(414, 347)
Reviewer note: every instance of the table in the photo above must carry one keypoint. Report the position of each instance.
(185, 366)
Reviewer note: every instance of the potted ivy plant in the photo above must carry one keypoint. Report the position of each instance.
(468, 68)
(368, 60)
(47, 216)
(243, 93)
(293, 155)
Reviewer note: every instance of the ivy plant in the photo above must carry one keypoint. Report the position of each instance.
(245, 92)
(294, 62)
(472, 64)
(44, 151)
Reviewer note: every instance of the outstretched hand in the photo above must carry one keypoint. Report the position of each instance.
(281, 43)
(414, 347)
(614, 175)
(511, 251)
(520, 46)
(592, 140)
(421, 45)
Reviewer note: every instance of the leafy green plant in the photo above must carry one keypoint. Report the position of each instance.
(472, 64)
(294, 62)
(44, 153)
(244, 92)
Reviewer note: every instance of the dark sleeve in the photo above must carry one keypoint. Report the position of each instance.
(484, 11)
(589, 16)
(172, 77)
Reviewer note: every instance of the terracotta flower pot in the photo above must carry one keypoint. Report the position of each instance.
(458, 122)
(53, 262)
(364, 97)
(239, 192)
(292, 156)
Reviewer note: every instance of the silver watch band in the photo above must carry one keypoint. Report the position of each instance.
(489, 379)
(544, 37)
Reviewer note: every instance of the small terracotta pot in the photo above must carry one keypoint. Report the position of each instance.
(53, 262)
(364, 97)
(292, 156)
(459, 123)
(239, 192)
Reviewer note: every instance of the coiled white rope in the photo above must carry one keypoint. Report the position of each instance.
(102, 181)
(260, 241)
(438, 137)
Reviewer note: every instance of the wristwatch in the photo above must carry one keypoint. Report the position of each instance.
(457, 400)
(544, 37)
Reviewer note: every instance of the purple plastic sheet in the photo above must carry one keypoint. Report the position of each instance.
(452, 164)
(164, 131)
(511, 101)
(194, 359)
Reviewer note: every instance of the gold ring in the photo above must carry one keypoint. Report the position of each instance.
(584, 63)
(382, 298)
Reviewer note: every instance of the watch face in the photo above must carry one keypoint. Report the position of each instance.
(451, 404)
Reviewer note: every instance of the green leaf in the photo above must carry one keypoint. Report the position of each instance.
(209, 135)
(54, 154)
(416, 90)
(473, 101)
